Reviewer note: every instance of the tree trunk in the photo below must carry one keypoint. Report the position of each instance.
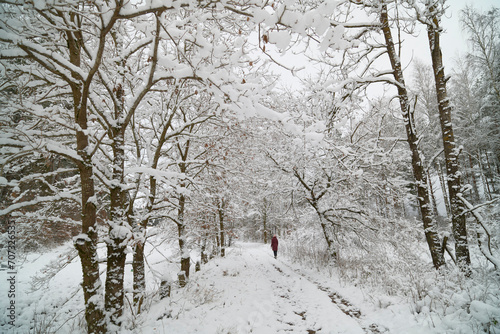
(113, 300)
(139, 274)
(217, 236)
(329, 239)
(433, 197)
(119, 232)
(412, 138)
(264, 222)
(86, 243)
(221, 224)
(491, 173)
(451, 151)
(181, 229)
(444, 190)
(204, 255)
(230, 234)
(475, 190)
(138, 270)
(486, 185)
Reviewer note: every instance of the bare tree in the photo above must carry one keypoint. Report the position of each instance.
(451, 150)
(413, 139)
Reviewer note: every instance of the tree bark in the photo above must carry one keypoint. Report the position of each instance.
(204, 255)
(412, 138)
(139, 276)
(264, 220)
(444, 189)
(486, 185)
(215, 251)
(491, 173)
(119, 232)
(181, 229)
(113, 300)
(451, 151)
(475, 190)
(433, 196)
(86, 243)
(222, 232)
(139, 273)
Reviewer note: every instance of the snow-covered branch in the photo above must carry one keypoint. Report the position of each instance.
(486, 250)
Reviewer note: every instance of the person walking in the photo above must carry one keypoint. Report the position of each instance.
(274, 245)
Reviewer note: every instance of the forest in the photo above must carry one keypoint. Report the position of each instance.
(130, 127)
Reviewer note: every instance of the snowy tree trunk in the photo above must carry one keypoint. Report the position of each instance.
(433, 196)
(429, 223)
(486, 185)
(222, 230)
(451, 151)
(138, 267)
(444, 189)
(491, 173)
(217, 240)
(139, 274)
(114, 295)
(264, 221)
(86, 243)
(475, 189)
(181, 229)
(139, 278)
(119, 232)
(329, 239)
(203, 250)
(165, 289)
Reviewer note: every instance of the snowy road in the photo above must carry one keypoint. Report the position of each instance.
(251, 292)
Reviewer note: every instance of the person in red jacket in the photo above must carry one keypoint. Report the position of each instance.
(274, 245)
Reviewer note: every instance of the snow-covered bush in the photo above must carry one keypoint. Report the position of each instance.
(307, 247)
(446, 300)
(381, 259)
(460, 304)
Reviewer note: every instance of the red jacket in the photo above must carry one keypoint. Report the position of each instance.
(274, 243)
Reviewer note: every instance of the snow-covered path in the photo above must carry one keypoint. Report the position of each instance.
(251, 292)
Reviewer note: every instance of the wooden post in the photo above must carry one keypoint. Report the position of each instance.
(182, 278)
(165, 288)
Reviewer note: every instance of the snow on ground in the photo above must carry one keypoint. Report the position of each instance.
(251, 292)
(248, 291)
(60, 298)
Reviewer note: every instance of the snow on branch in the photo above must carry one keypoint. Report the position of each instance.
(51, 60)
(486, 250)
(39, 200)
